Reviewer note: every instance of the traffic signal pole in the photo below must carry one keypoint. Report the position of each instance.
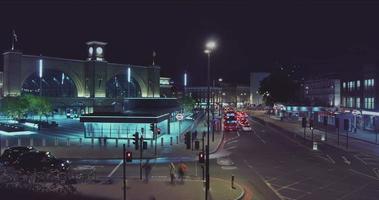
(123, 171)
(140, 160)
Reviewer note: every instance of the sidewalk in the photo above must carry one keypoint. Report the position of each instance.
(357, 145)
(160, 188)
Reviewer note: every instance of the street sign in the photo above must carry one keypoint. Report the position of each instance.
(179, 116)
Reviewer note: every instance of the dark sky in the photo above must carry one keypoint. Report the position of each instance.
(250, 36)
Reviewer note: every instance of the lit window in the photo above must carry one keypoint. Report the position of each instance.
(369, 103)
(358, 102)
(358, 84)
(344, 85)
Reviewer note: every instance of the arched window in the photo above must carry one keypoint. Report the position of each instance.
(53, 84)
(118, 86)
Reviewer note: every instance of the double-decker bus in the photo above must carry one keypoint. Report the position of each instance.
(230, 121)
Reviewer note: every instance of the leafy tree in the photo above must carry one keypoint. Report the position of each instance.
(14, 107)
(279, 87)
(18, 107)
(188, 103)
(39, 106)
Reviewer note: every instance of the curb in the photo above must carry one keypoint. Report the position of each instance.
(240, 197)
(219, 144)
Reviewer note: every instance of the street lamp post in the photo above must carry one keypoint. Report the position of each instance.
(40, 74)
(211, 45)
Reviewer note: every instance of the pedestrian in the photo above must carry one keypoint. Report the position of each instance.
(172, 172)
(182, 169)
(147, 166)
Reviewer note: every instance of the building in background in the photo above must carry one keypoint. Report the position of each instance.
(167, 89)
(227, 94)
(78, 84)
(323, 91)
(359, 97)
(255, 78)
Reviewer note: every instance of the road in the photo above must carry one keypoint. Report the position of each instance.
(293, 171)
(272, 164)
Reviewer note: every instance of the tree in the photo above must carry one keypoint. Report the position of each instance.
(279, 87)
(39, 106)
(188, 103)
(14, 107)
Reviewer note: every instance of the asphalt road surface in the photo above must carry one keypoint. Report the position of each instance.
(292, 170)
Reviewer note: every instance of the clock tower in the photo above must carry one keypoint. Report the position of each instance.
(96, 50)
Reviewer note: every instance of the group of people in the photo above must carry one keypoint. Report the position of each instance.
(180, 172)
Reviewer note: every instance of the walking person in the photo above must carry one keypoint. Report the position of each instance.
(147, 166)
(172, 172)
(182, 169)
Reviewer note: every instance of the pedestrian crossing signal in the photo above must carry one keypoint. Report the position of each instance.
(128, 156)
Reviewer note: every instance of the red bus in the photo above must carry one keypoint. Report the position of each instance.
(230, 121)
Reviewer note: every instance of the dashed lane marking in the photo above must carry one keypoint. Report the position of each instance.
(256, 135)
(331, 159)
(352, 192)
(360, 159)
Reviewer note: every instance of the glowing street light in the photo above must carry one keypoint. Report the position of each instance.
(211, 45)
(129, 74)
(185, 79)
(40, 68)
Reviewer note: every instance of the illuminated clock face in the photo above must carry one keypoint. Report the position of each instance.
(90, 50)
(99, 50)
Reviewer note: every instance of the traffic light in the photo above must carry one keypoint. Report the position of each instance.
(136, 138)
(304, 122)
(152, 127)
(201, 157)
(311, 124)
(128, 156)
(158, 131)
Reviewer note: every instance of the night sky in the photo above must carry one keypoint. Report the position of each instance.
(251, 36)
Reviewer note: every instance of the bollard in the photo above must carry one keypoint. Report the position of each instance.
(232, 181)
(171, 141)
(43, 142)
(128, 142)
(162, 141)
(6, 142)
(116, 142)
(315, 146)
(177, 139)
(68, 141)
(31, 143)
(18, 141)
(80, 141)
(56, 142)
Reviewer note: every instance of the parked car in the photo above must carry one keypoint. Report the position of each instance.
(11, 154)
(41, 161)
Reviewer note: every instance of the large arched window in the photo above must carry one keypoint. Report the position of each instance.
(118, 86)
(53, 84)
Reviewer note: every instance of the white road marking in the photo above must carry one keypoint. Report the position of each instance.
(352, 192)
(238, 133)
(345, 160)
(363, 174)
(292, 184)
(331, 159)
(115, 169)
(376, 172)
(262, 140)
(360, 159)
